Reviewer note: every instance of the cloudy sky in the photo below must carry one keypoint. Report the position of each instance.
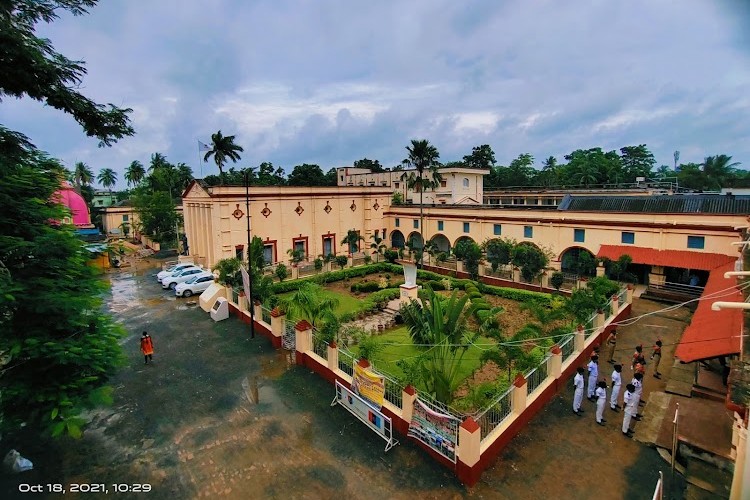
(330, 82)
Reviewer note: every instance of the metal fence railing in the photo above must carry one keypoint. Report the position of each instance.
(265, 315)
(289, 337)
(393, 390)
(494, 414)
(320, 346)
(346, 362)
(589, 325)
(502, 273)
(307, 270)
(536, 376)
(567, 346)
(622, 296)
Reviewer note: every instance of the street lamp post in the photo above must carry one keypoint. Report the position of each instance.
(251, 302)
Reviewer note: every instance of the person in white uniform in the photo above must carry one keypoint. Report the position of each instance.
(631, 406)
(616, 383)
(638, 384)
(593, 368)
(601, 399)
(578, 394)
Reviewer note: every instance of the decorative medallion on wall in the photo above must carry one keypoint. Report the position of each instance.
(299, 208)
(266, 211)
(237, 214)
(353, 207)
(376, 206)
(328, 208)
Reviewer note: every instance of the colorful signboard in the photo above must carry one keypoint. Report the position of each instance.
(373, 418)
(369, 386)
(437, 430)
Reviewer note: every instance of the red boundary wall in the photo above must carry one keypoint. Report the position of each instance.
(467, 475)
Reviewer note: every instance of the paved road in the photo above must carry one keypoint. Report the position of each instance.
(219, 415)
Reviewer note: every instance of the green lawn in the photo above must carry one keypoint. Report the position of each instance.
(347, 303)
(397, 345)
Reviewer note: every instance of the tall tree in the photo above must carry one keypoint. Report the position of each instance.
(157, 216)
(107, 178)
(718, 171)
(373, 165)
(637, 161)
(223, 149)
(311, 304)
(135, 173)
(31, 67)
(423, 158)
(480, 157)
(83, 175)
(306, 175)
(268, 176)
(52, 370)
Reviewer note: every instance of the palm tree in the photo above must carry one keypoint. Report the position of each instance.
(378, 246)
(223, 149)
(157, 162)
(83, 175)
(107, 178)
(135, 173)
(662, 172)
(352, 238)
(423, 157)
(311, 304)
(718, 169)
(441, 325)
(550, 171)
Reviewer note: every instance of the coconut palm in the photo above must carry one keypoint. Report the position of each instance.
(158, 161)
(423, 158)
(107, 178)
(135, 173)
(718, 169)
(83, 175)
(222, 149)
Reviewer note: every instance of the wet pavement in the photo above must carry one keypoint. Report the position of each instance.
(220, 415)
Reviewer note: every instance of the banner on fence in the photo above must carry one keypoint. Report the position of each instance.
(368, 385)
(246, 284)
(437, 430)
(373, 418)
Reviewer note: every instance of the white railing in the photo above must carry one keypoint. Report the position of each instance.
(495, 413)
(536, 377)
(265, 315)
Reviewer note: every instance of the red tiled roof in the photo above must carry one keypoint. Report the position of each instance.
(713, 333)
(670, 258)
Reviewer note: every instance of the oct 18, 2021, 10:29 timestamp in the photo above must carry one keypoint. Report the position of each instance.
(85, 488)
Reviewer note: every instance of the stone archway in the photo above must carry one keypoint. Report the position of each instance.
(578, 260)
(397, 239)
(442, 243)
(415, 240)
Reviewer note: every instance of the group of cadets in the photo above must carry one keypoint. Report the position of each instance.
(597, 388)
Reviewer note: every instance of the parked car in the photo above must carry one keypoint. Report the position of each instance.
(173, 279)
(174, 269)
(197, 284)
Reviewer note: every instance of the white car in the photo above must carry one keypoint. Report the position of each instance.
(173, 269)
(173, 279)
(197, 284)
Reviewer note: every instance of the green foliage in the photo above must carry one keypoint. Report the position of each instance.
(472, 257)
(222, 149)
(603, 286)
(556, 280)
(498, 251)
(397, 198)
(351, 240)
(443, 326)
(296, 255)
(373, 165)
(157, 216)
(229, 272)
(58, 347)
(480, 157)
(530, 260)
(281, 272)
(369, 347)
(307, 175)
(318, 263)
(391, 256)
(341, 261)
(309, 303)
(365, 287)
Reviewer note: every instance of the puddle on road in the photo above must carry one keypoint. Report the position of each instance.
(273, 367)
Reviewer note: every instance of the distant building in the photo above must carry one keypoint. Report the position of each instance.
(103, 199)
(459, 186)
(79, 213)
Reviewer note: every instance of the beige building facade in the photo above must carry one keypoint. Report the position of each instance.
(458, 186)
(312, 219)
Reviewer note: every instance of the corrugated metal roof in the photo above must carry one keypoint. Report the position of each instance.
(671, 258)
(706, 204)
(713, 333)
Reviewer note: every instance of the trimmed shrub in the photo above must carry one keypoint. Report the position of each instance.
(365, 287)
